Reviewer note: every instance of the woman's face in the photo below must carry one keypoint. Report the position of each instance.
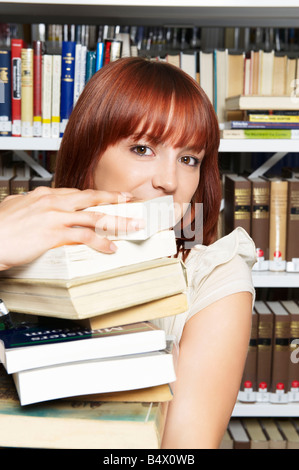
(149, 170)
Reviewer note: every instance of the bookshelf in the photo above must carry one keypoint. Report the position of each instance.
(226, 145)
(202, 13)
(270, 410)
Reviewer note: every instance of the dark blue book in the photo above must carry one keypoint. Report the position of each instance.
(5, 93)
(67, 82)
(263, 125)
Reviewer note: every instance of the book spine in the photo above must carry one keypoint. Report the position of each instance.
(100, 53)
(260, 213)
(5, 93)
(27, 92)
(280, 351)
(293, 364)
(67, 82)
(77, 79)
(56, 84)
(19, 186)
(249, 373)
(263, 125)
(115, 50)
(292, 230)
(278, 221)
(4, 187)
(90, 65)
(237, 208)
(264, 348)
(46, 95)
(37, 89)
(274, 118)
(293, 373)
(83, 68)
(260, 134)
(16, 47)
(107, 50)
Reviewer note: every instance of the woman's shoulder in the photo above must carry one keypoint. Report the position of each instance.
(237, 245)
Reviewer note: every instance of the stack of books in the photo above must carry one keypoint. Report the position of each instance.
(264, 117)
(83, 329)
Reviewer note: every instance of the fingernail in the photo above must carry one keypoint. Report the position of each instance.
(126, 195)
(113, 247)
(137, 224)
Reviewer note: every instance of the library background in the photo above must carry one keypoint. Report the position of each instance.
(246, 58)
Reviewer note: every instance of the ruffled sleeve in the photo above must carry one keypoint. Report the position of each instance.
(213, 272)
(220, 269)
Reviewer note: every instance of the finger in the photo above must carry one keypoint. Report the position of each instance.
(87, 236)
(103, 224)
(74, 199)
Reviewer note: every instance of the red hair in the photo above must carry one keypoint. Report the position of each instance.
(136, 95)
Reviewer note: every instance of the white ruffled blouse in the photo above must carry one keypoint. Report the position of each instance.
(213, 272)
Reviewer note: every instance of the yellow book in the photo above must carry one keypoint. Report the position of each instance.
(172, 305)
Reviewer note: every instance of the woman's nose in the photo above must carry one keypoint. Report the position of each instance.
(166, 178)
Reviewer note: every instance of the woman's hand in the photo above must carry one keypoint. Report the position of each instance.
(49, 217)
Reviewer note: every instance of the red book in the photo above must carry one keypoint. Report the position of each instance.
(108, 43)
(37, 88)
(16, 47)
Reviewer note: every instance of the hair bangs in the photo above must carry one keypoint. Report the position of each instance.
(161, 110)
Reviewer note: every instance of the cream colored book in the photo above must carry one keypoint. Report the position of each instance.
(159, 308)
(55, 111)
(27, 92)
(98, 294)
(47, 65)
(265, 102)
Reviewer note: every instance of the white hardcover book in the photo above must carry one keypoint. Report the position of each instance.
(77, 72)
(56, 83)
(83, 68)
(46, 95)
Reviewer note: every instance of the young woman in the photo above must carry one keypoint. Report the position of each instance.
(145, 129)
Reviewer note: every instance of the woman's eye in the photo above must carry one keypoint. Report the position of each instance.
(190, 161)
(142, 150)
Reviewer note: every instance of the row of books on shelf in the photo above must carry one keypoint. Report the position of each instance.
(39, 90)
(268, 209)
(271, 372)
(262, 433)
(256, 80)
(11, 185)
(162, 39)
(233, 79)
